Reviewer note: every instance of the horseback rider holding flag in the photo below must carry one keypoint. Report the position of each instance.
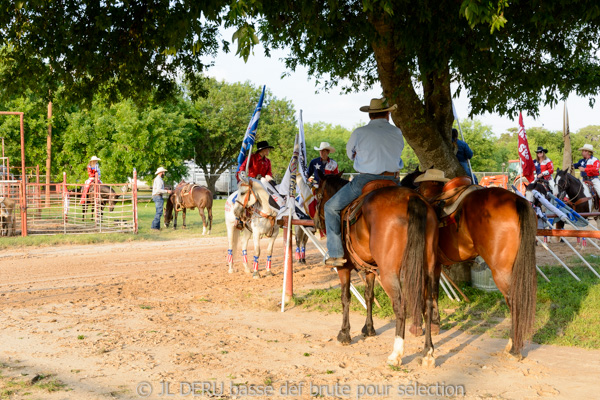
(93, 170)
(589, 166)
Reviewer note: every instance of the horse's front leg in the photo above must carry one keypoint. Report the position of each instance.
(232, 237)
(201, 212)
(175, 212)
(344, 334)
(245, 238)
(270, 252)
(256, 239)
(368, 329)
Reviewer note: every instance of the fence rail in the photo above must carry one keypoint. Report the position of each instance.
(107, 208)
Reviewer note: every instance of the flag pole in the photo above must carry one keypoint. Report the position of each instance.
(567, 152)
(463, 139)
(287, 265)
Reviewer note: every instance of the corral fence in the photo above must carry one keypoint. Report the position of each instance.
(61, 208)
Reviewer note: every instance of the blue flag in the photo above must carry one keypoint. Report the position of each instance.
(250, 135)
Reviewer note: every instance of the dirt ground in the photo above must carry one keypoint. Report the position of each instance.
(113, 320)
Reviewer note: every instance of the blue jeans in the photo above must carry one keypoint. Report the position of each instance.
(337, 203)
(158, 202)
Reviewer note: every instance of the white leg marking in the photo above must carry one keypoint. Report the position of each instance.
(396, 357)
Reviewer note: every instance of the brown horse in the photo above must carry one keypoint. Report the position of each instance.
(500, 227)
(197, 197)
(397, 232)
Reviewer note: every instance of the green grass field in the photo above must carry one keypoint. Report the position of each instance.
(568, 312)
(146, 213)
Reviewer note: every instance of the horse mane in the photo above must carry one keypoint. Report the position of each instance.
(335, 182)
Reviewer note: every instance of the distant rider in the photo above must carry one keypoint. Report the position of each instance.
(93, 169)
(545, 165)
(323, 163)
(589, 166)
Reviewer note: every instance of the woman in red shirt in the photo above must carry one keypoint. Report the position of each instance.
(545, 165)
(260, 165)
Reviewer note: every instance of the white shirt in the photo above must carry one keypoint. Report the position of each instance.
(158, 186)
(376, 148)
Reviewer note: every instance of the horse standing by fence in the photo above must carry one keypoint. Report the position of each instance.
(398, 232)
(7, 216)
(193, 197)
(250, 204)
(501, 227)
(106, 196)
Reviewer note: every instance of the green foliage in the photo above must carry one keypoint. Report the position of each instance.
(221, 119)
(127, 48)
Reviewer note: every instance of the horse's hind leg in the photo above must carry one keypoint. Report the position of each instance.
(344, 334)
(391, 284)
(183, 215)
(210, 218)
(270, 253)
(175, 212)
(201, 212)
(431, 287)
(368, 329)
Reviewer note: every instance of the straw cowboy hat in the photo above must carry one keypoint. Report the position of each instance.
(263, 145)
(159, 170)
(587, 147)
(94, 158)
(432, 175)
(378, 105)
(541, 149)
(325, 146)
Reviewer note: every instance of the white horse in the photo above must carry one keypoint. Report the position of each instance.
(250, 204)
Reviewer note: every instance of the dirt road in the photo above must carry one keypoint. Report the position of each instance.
(104, 318)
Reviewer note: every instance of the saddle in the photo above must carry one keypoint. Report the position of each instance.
(350, 215)
(185, 191)
(453, 193)
(593, 197)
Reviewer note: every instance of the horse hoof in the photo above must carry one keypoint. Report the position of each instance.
(416, 330)
(269, 273)
(247, 270)
(370, 331)
(255, 275)
(302, 261)
(428, 362)
(435, 329)
(344, 338)
(230, 270)
(394, 361)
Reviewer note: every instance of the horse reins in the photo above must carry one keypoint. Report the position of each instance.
(261, 213)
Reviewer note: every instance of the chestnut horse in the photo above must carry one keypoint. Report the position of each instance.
(198, 197)
(501, 227)
(397, 231)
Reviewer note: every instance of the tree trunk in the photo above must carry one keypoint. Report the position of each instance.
(427, 123)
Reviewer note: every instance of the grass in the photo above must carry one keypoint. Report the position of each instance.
(146, 213)
(568, 312)
(15, 387)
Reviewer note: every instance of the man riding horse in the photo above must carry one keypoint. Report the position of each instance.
(376, 150)
(589, 166)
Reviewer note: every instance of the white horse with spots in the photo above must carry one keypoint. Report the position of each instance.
(250, 204)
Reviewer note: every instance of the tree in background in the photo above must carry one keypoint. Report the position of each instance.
(220, 121)
(507, 58)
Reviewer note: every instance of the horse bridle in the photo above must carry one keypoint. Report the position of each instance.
(247, 195)
(563, 188)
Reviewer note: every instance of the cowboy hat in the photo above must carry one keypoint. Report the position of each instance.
(263, 145)
(378, 105)
(325, 146)
(541, 149)
(432, 175)
(94, 158)
(587, 147)
(159, 170)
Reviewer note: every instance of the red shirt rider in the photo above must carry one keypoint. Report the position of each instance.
(545, 164)
(259, 163)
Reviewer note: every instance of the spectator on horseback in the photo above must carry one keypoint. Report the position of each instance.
(158, 188)
(545, 165)
(463, 153)
(323, 163)
(93, 170)
(589, 166)
(376, 150)
(260, 165)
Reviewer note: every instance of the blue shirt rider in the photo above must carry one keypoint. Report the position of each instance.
(463, 153)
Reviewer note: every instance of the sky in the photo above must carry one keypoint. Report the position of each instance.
(342, 109)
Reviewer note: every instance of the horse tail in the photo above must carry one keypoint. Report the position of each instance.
(523, 286)
(413, 262)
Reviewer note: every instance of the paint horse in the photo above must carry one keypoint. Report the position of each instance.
(396, 233)
(106, 197)
(501, 227)
(188, 195)
(250, 205)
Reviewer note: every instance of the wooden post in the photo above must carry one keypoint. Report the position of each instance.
(23, 179)
(134, 200)
(48, 154)
(287, 240)
(65, 197)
